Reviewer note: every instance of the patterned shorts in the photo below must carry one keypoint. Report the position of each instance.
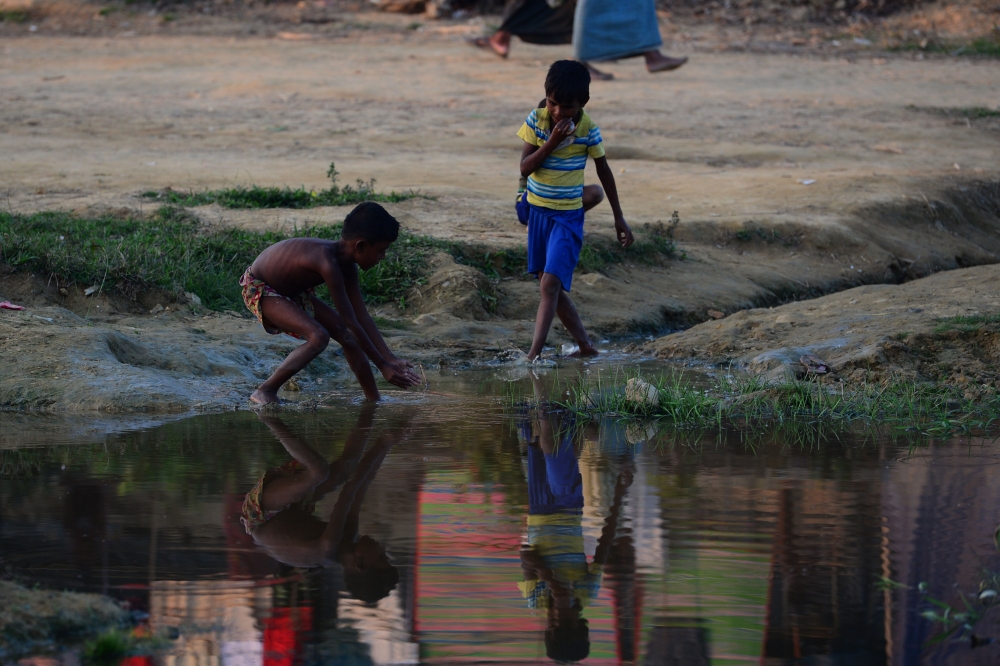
(254, 290)
(253, 515)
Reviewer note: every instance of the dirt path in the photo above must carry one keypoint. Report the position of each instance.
(895, 182)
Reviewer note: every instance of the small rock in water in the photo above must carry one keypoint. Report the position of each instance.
(292, 385)
(642, 392)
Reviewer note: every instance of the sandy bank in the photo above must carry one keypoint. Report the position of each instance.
(945, 327)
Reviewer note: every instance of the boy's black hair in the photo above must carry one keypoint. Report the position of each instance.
(373, 584)
(568, 81)
(567, 644)
(370, 222)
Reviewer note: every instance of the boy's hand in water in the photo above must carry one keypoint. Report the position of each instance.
(398, 373)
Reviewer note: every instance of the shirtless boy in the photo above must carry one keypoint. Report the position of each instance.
(558, 139)
(279, 289)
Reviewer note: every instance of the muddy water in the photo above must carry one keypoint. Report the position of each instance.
(438, 530)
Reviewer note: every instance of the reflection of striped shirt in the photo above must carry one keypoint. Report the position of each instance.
(558, 539)
(558, 183)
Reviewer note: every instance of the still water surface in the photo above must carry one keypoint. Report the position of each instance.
(443, 531)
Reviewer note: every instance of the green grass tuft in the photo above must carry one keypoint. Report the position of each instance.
(13, 16)
(108, 648)
(173, 251)
(256, 197)
(966, 323)
(751, 401)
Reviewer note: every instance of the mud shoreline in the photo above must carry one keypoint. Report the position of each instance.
(797, 181)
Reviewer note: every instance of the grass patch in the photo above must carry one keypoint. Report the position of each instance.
(747, 401)
(966, 323)
(175, 252)
(256, 197)
(13, 16)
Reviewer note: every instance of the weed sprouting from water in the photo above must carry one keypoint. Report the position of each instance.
(256, 197)
(757, 405)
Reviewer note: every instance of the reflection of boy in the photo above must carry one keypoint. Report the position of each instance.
(277, 513)
(557, 576)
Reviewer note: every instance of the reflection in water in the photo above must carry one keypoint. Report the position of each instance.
(366, 536)
(557, 576)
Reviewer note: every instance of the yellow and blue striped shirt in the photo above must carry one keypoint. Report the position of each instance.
(558, 183)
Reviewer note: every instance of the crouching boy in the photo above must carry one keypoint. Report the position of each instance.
(279, 288)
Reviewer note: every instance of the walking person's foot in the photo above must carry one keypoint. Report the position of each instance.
(498, 43)
(584, 352)
(657, 62)
(596, 73)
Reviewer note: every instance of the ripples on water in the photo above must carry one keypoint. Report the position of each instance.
(666, 552)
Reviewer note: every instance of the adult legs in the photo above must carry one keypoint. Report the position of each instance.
(657, 62)
(596, 73)
(498, 42)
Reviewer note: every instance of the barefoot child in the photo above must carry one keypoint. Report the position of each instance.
(557, 141)
(279, 289)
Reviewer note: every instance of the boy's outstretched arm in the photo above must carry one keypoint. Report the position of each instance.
(334, 278)
(353, 287)
(625, 236)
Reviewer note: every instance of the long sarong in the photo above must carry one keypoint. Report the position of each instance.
(535, 22)
(612, 29)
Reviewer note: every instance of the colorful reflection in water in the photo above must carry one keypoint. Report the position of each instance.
(450, 533)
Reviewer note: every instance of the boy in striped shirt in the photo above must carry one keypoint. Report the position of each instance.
(557, 141)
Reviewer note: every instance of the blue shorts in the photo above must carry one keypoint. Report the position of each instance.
(522, 207)
(555, 238)
(554, 481)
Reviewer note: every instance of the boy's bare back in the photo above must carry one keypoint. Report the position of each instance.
(292, 266)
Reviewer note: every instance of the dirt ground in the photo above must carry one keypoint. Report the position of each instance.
(801, 163)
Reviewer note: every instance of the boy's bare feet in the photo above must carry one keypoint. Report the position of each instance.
(498, 42)
(585, 351)
(596, 73)
(262, 397)
(657, 62)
